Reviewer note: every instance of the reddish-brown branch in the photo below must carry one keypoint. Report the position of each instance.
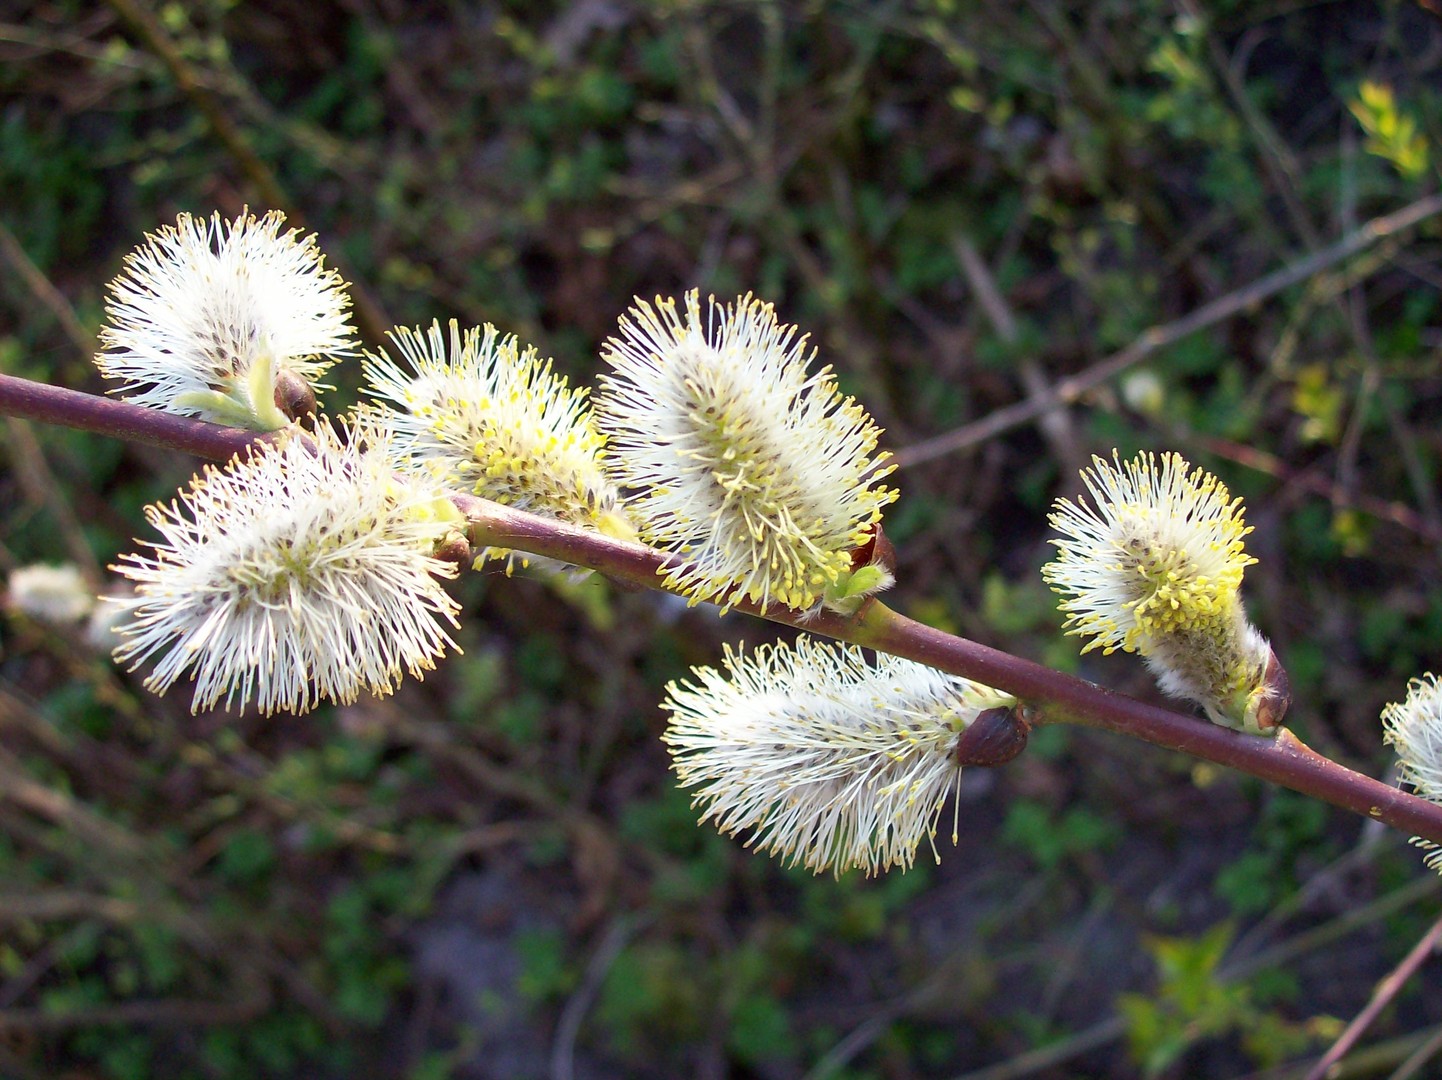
(119, 419)
(1055, 696)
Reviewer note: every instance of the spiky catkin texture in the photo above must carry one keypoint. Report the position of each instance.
(299, 573)
(1414, 727)
(473, 410)
(761, 475)
(820, 757)
(1154, 567)
(206, 315)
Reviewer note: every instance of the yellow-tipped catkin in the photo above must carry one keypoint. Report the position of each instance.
(759, 474)
(207, 317)
(299, 573)
(1155, 567)
(819, 757)
(474, 411)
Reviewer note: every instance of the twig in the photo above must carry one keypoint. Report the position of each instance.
(248, 1002)
(1113, 1027)
(87, 412)
(1052, 696)
(1386, 990)
(1157, 337)
(1419, 1057)
(41, 487)
(1307, 480)
(1055, 424)
(568, 1027)
(43, 290)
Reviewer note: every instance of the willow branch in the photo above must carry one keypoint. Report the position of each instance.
(1051, 696)
(119, 419)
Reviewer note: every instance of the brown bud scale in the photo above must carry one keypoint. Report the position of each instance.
(995, 737)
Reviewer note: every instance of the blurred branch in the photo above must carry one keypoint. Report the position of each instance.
(1070, 389)
(1250, 457)
(43, 290)
(1055, 424)
(249, 1000)
(1386, 990)
(1330, 932)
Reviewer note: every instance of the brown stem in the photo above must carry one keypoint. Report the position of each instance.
(119, 419)
(1382, 996)
(1284, 760)
(1055, 696)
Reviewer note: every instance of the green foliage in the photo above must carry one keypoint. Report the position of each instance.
(1194, 1001)
(1290, 828)
(1050, 839)
(857, 909)
(653, 991)
(537, 166)
(1392, 132)
(545, 968)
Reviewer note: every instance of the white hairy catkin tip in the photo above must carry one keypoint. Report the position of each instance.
(1414, 727)
(759, 474)
(303, 572)
(820, 757)
(474, 411)
(1154, 566)
(206, 317)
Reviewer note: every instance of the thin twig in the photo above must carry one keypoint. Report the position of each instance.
(1386, 990)
(1429, 1049)
(119, 419)
(45, 291)
(1113, 1027)
(1308, 480)
(1055, 424)
(1158, 337)
(568, 1028)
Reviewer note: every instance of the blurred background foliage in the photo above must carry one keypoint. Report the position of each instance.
(491, 875)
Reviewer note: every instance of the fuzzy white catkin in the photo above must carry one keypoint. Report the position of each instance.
(300, 573)
(1154, 566)
(1414, 727)
(474, 411)
(201, 305)
(758, 473)
(820, 757)
(52, 594)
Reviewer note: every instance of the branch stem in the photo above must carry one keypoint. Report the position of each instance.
(1070, 389)
(119, 419)
(1053, 696)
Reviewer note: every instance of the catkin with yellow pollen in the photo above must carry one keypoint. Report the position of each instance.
(222, 319)
(1155, 567)
(759, 474)
(474, 411)
(816, 755)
